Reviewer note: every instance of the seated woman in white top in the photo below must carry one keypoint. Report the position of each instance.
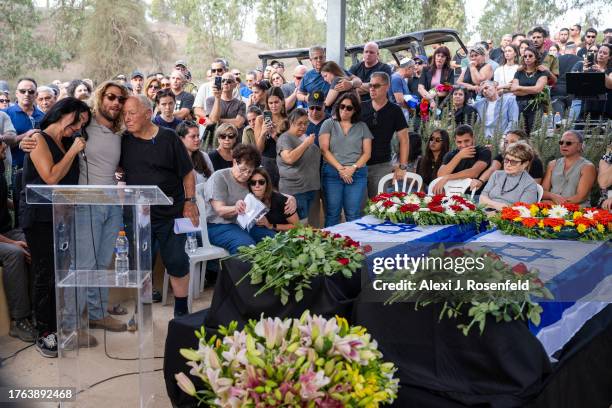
(513, 183)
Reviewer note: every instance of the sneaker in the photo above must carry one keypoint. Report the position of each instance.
(157, 296)
(47, 345)
(109, 323)
(23, 330)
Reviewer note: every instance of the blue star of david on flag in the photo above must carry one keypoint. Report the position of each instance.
(524, 254)
(389, 227)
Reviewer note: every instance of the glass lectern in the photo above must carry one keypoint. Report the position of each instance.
(86, 222)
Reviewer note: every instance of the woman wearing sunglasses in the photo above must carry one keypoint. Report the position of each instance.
(569, 179)
(428, 165)
(346, 145)
(298, 163)
(152, 86)
(513, 183)
(226, 135)
(275, 219)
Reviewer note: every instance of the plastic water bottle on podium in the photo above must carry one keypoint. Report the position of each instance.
(122, 262)
(191, 245)
(557, 120)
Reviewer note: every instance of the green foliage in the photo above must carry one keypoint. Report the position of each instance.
(289, 24)
(68, 18)
(160, 10)
(20, 48)
(115, 32)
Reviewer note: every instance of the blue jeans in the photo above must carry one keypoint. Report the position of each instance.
(340, 195)
(304, 201)
(231, 236)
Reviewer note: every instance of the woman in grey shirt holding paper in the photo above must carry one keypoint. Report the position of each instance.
(298, 160)
(513, 183)
(346, 145)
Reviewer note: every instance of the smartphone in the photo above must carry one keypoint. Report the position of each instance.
(267, 116)
(218, 82)
(591, 58)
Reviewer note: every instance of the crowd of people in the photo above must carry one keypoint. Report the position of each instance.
(310, 148)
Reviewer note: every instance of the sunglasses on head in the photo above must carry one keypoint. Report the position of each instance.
(111, 97)
(27, 91)
(261, 182)
(348, 108)
(229, 136)
(565, 142)
(317, 108)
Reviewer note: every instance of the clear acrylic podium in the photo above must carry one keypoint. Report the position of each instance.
(83, 363)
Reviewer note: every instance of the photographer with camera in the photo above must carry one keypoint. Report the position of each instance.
(596, 60)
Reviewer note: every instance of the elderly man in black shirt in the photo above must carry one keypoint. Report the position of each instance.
(151, 155)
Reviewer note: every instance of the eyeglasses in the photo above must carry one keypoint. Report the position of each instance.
(419, 62)
(229, 136)
(565, 142)
(154, 87)
(435, 139)
(27, 91)
(227, 81)
(258, 182)
(512, 162)
(165, 85)
(298, 78)
(376, 86)
(245, 170)
(44, 98)
(590, 36)
(217, 70)
(111, 97)
(317, 108)
(348, 108)
(5, 100)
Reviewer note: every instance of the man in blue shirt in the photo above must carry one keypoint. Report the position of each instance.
(25, 117)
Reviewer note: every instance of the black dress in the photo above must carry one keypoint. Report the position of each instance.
(37, 223)
(276, 215)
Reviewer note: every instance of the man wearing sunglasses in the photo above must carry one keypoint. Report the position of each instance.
(290, 89)
(25, 117)
(222, 107)
(316, 114)
(217, 69)
(589, 40)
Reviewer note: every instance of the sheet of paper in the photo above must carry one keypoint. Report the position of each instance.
(184, 225)
(255, 209)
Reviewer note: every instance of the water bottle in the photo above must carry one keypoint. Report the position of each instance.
(557, 120)
(191, 245)
(546, 124)
(122, 263)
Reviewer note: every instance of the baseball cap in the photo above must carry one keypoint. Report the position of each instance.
(422, 58)
(181, 62)
(4, 88)
(478, 49)
(406, 62)
(316, 98)
(137, 73)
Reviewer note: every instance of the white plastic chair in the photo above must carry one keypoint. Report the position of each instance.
(202, 255)
(540, 192)
(451, 187)
(415, 178)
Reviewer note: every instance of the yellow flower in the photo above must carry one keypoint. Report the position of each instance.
(517, 219)
(534, 210)
(541, 224)
(581, 228)
(557, 228)
(601, 228)
(577, 214)
(569, 223)
(545, 211)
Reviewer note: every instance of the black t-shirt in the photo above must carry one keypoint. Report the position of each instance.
(218, 161)
(497, 55)
(383, 124)
(162, 161)
(527, 80)
(466, 115)
(363, 73)
(276, 215)
(184, 100)
(482, 154)
(535, 171)
(413, 86)
(6, 223)
(566, 63)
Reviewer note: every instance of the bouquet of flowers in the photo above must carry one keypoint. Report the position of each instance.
(306, 362)
(552, 221)
(503, 305)
(419, 208)
(291, 259)
(424, 105)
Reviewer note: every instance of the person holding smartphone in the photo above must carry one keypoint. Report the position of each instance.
(222, 107)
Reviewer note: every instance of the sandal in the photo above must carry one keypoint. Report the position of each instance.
(132, 326)
(117, 310)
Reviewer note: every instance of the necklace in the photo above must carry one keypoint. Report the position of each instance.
(530, 75)
(503, 189)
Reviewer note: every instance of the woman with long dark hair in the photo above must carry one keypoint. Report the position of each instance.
(463, 113)
(439, 72)
(53, 161)
(269, 129)
(189, 133)
(332, 74)
(260, 185)
(504, 74)
(428, 165)
(528, 82)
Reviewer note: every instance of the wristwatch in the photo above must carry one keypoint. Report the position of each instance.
(190, 199)
(403, 167)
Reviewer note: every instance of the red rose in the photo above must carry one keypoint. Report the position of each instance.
(520, 269)
(437, 198)
(409, 208)
(367, 248)
(399, 194)
(571, 207)
(436, 208)
(337, 236)
(388, 204)
(456, 208)
(470, 206)
(538, 283)
(343, 261)
(420, 194)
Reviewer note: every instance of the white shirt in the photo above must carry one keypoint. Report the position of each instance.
(504, 74)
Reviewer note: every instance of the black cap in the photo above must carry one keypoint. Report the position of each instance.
(137, 73)
(316, 98)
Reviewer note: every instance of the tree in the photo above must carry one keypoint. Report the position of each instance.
(21, 50)
(160, 10)
(68, 18)
(114, 36)
(289, 23)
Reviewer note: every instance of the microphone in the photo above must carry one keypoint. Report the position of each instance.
(83, 135)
